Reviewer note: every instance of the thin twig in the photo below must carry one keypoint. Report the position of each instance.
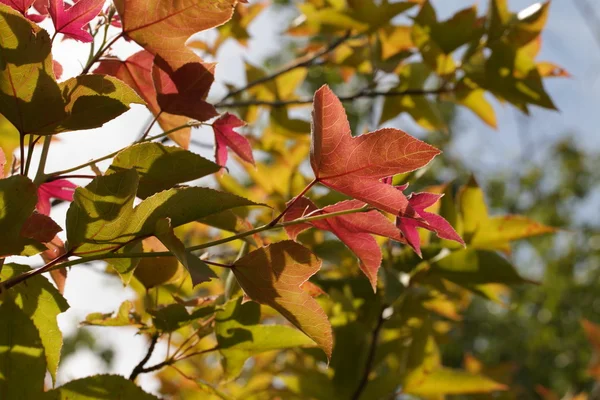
(26, 275)
(361, 94)
(147, 131)
(140, 367)
(99, 54)
(370, 357)
(305, 61)
(291, 203)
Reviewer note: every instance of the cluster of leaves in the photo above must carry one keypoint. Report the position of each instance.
(393, 321)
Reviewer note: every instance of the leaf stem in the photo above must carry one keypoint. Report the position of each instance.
(294, 200)
(57, 177)
(40, 177)
(147, 131)
(22, 148)
(99, 54)
(29, 154)
(217, 264)
(53, 264)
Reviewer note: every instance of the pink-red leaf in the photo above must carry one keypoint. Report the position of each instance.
(59, 189)
(136, 72)
(433, 222)
(71, 21)
(20, 5)
(355, 166)
(183, 91)
(354, 230)
(273, 275)
(225, 137)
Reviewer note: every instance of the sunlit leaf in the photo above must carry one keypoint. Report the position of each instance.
(272, 275)
(98, 387)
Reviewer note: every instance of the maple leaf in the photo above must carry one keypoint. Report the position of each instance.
(71, 21)
(356, 166)
(163, 27)
(136, 72)
(354, 230)
(433, 222)
(273, 275)
(183, 91)
(225, 136)
(20, 5)
(59, 189)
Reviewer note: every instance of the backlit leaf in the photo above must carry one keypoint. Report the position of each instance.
(175, 316)
(30, 98)
(161, 167)
(446, 381)
(199, 271)
(150, 23)
(42, 303)
(272, 275)
(136, 72)
(474, 267)
(355, 230)
(98, 387)
(125, 316)
(183, 91)
(21, 351)
(240, 335)
(71, 21)
(226, 137)
(355, 165)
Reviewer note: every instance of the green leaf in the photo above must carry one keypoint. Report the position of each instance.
(101, 218)
(474, 100)
(471, 203)
(91, 101)
(199, 271)
(473, 267)
(98, 387)
(30, 98)
(161, 167)
(42, 303)
(17, 201)
(100, 212)
(175, 316)
(446, 381)
(497, 232)
(240, 336)
(126, 266)
(22, 364)
(272, 275)
(125, 316)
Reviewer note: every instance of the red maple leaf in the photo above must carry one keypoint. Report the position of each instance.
(20, 5)
(71, 21)
(356, 166)
(183, 91)
(58, 189)
(433, 222)
(136, 72)
(354, 230)
(225, 137)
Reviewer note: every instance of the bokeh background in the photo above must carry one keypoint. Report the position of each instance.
(545, 165)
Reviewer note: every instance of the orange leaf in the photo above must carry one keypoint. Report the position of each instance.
(273, 275)
(355, 165)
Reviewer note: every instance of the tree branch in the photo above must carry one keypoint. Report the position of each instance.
(140, 367)
(361, 94)
(305, 61)
(370, 357)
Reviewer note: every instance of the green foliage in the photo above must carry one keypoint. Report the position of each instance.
(211, 269)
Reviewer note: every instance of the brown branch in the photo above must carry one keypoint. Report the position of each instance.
(370, 357)
(305, 61)
(140, 367)
(361, 94)
(29, 274)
